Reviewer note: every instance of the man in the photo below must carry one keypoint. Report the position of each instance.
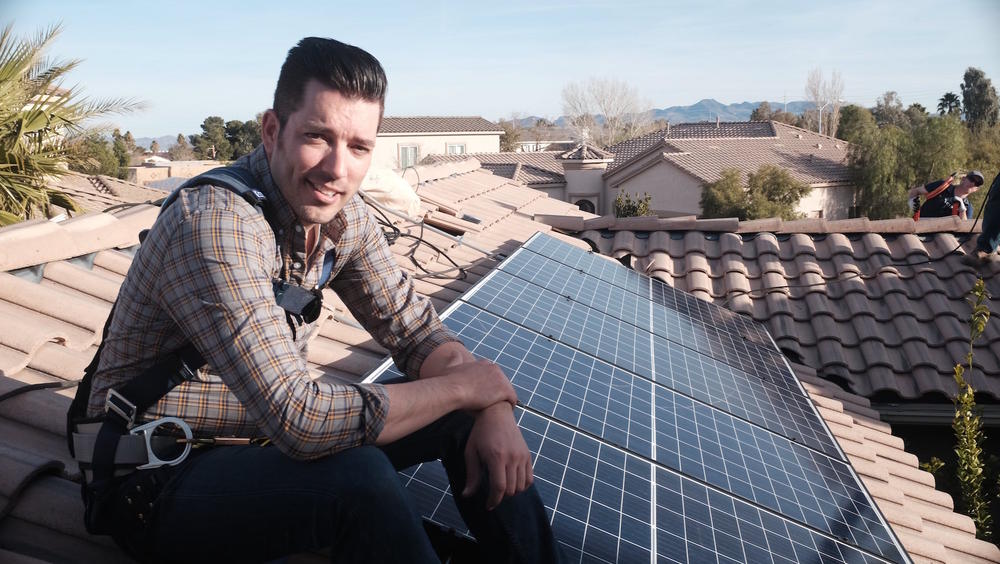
(204, 275)
(943, 199)
(989, 239)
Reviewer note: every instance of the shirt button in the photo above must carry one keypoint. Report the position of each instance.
(298, 229)
(296, 265)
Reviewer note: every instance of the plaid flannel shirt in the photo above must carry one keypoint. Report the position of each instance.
(203, 275)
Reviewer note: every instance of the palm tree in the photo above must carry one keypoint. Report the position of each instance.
(949, 104)
(40, 121)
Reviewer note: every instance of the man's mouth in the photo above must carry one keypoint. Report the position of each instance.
(325, 194)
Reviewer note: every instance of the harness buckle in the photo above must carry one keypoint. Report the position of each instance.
(117, 404)
(147, 431)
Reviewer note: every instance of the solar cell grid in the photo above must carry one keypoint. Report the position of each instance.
(600, 501)
(628, 347)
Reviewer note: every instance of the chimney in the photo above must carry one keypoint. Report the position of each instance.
(667, 134)
(718, 121)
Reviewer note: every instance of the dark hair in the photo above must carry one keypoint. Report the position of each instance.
(350, 70)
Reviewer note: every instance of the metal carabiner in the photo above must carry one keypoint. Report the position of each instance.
(147, 430)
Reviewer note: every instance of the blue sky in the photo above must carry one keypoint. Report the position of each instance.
(189, 60)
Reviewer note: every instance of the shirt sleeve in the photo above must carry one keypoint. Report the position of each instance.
(216, 285)
(382, 297)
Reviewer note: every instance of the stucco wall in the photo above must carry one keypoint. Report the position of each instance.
(387, 146)
(835, 202)
(183, 169)
(672, 190)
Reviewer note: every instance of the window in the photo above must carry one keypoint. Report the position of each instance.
(456, 148)
(587, 206)
(408, 155)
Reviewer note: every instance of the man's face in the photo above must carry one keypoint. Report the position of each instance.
(966, 187)
(322, 153)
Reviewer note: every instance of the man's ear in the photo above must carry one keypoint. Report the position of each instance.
(270, 129)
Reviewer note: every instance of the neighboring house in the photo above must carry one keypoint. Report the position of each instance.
(151, 173)
(672, 165)
(403, 141)
(58, 281)
(545, 139)
(878, 337)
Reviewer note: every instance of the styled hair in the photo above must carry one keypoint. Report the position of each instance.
(350, 70)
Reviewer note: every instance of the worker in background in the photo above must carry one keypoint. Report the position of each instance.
(986, 247)
(942, 198)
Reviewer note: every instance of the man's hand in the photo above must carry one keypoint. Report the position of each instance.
(497, 446)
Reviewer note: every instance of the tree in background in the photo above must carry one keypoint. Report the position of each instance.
(879, 168)
(822, 94)
(625, 206)
(949, 104)
(154, 147)
(726, 197)
(211, 143)
(243, 136)
(937, 148)
(769, 192)
(606, 111)
(854, 122)
(40, 122)
(122, 154)
(916, 114)
(889, 110)
(979, 98)
(181, 151)
(95, 156)
(511, 136)
(761, 112)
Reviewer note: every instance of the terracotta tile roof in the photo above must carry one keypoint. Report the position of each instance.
(530, 168)
(97, 193)
(703, 150)
(55, 305)
(584, 152)
(432, 124)
(841, 299)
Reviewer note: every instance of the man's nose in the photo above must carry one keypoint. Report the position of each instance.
(335, 161)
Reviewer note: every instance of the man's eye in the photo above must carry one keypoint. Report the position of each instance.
(361, 149)
(312, 135)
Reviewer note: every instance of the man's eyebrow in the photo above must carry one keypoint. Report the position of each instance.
(320, 126)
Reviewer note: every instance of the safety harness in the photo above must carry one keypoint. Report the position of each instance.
(112, 444)
(915, 201)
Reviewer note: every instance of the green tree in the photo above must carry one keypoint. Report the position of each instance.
(119, 147)
(243, 136)
(983, 153)
(181, 151)
(937, 148)
(211, 143)
(769, 192)
(95, 156)
(916, 114)
(880, 170)
(511, 136)
(789, 118)
(855, 122)
(154, 147)
(949, 104)
(625, 206)
(979, 98)
(726, 197)
(761, 112)
(889, 110)
(39, 121)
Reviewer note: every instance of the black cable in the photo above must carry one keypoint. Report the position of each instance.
(50, 467)
(962, 239)
(43, 386)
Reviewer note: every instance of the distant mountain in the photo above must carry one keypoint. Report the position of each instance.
(704, 110)
(165, 141)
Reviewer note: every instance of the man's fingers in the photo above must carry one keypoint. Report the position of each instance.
(498, 486)
(472, 472)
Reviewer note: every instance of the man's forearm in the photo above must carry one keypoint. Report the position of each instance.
(444, 357)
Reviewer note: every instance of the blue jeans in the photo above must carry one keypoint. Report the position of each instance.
(989, 239)
(254, 504)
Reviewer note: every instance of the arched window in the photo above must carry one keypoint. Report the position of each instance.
(587, 206)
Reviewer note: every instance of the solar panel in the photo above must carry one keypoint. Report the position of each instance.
(647, 448)
(632, 348)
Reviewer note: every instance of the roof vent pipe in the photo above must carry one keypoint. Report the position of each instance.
(718, 121)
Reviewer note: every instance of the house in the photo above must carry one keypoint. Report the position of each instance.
(58, 280)
(672, 165)
(155, 172)
(403, 141)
